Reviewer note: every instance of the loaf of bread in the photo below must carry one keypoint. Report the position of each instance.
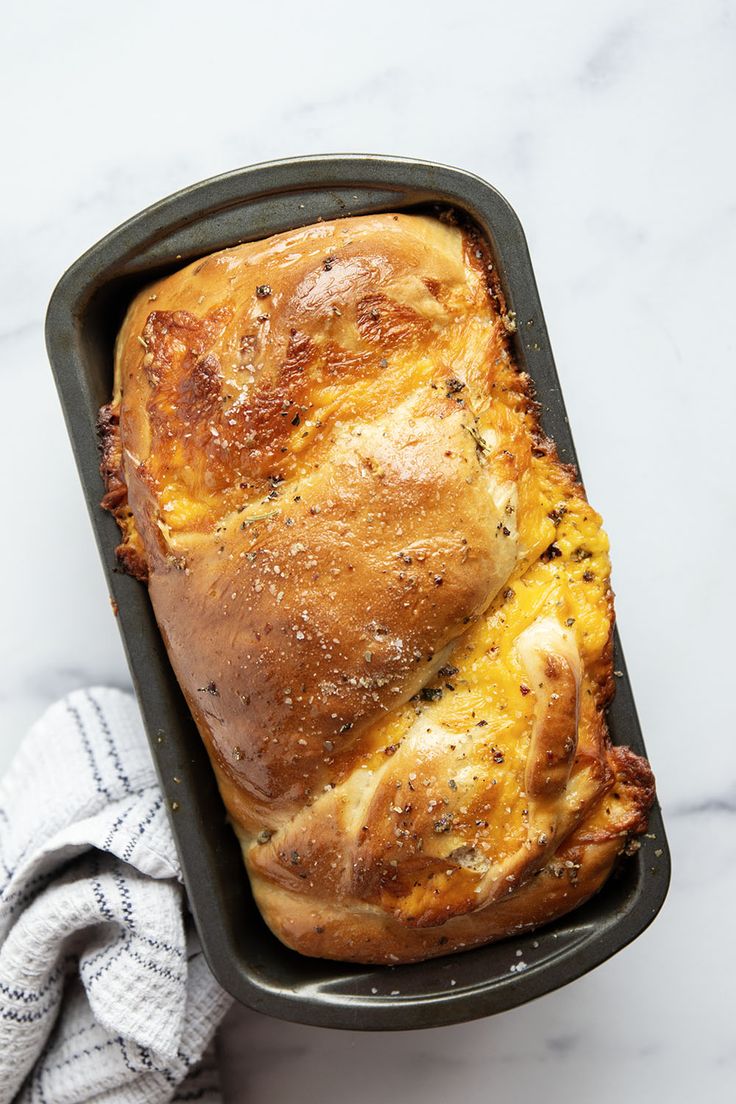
(385, 599)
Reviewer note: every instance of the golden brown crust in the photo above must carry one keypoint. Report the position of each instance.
(385, 599)
(130, 550)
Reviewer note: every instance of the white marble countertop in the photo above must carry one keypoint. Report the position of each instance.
(606, 127)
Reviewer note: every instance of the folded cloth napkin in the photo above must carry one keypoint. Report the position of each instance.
(104, 992)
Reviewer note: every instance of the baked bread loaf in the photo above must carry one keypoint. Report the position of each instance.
(386, 600)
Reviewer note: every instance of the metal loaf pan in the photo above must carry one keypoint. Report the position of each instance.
(85, 312)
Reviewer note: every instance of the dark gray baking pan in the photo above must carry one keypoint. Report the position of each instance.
(85, 312)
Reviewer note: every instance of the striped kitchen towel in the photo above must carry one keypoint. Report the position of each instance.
(104, 992)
